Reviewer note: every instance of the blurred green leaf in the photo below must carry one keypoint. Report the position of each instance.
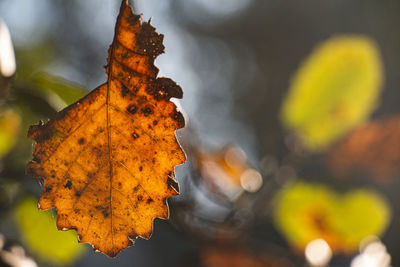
(31, 76)
(304, 212)
(32, 58)
(58, 91)
(38, 230)
(335, 89)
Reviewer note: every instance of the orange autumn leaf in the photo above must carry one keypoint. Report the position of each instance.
(371, 149)
(108, 160)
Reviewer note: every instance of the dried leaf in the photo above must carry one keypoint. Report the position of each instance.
(371, 149)
(108, 160)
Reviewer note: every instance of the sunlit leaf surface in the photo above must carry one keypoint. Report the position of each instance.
(108, 160)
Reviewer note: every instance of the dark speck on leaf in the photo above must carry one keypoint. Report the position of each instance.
(124, 90)
(146, 111)
(105, 213)
(132, 109)
(68, 185)
(135, 135)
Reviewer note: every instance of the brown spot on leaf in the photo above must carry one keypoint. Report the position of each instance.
(105, 213)
(135, 135)
(133, 20)
(132, 109)
(150, 42)
(165, 88)
(124, 90)
(146, 111)
(40, 133)
(178, 117)
(68, 185)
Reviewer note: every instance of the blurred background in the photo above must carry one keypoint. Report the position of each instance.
(292, 133)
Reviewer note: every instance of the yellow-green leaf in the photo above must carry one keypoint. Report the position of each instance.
(304, 212)
(39, 232)
(335, 89)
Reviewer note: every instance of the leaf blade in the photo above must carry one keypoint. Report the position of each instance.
(121, 146)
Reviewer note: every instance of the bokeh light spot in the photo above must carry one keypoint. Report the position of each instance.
(7, 57)
(251, 180)
(318, 252)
